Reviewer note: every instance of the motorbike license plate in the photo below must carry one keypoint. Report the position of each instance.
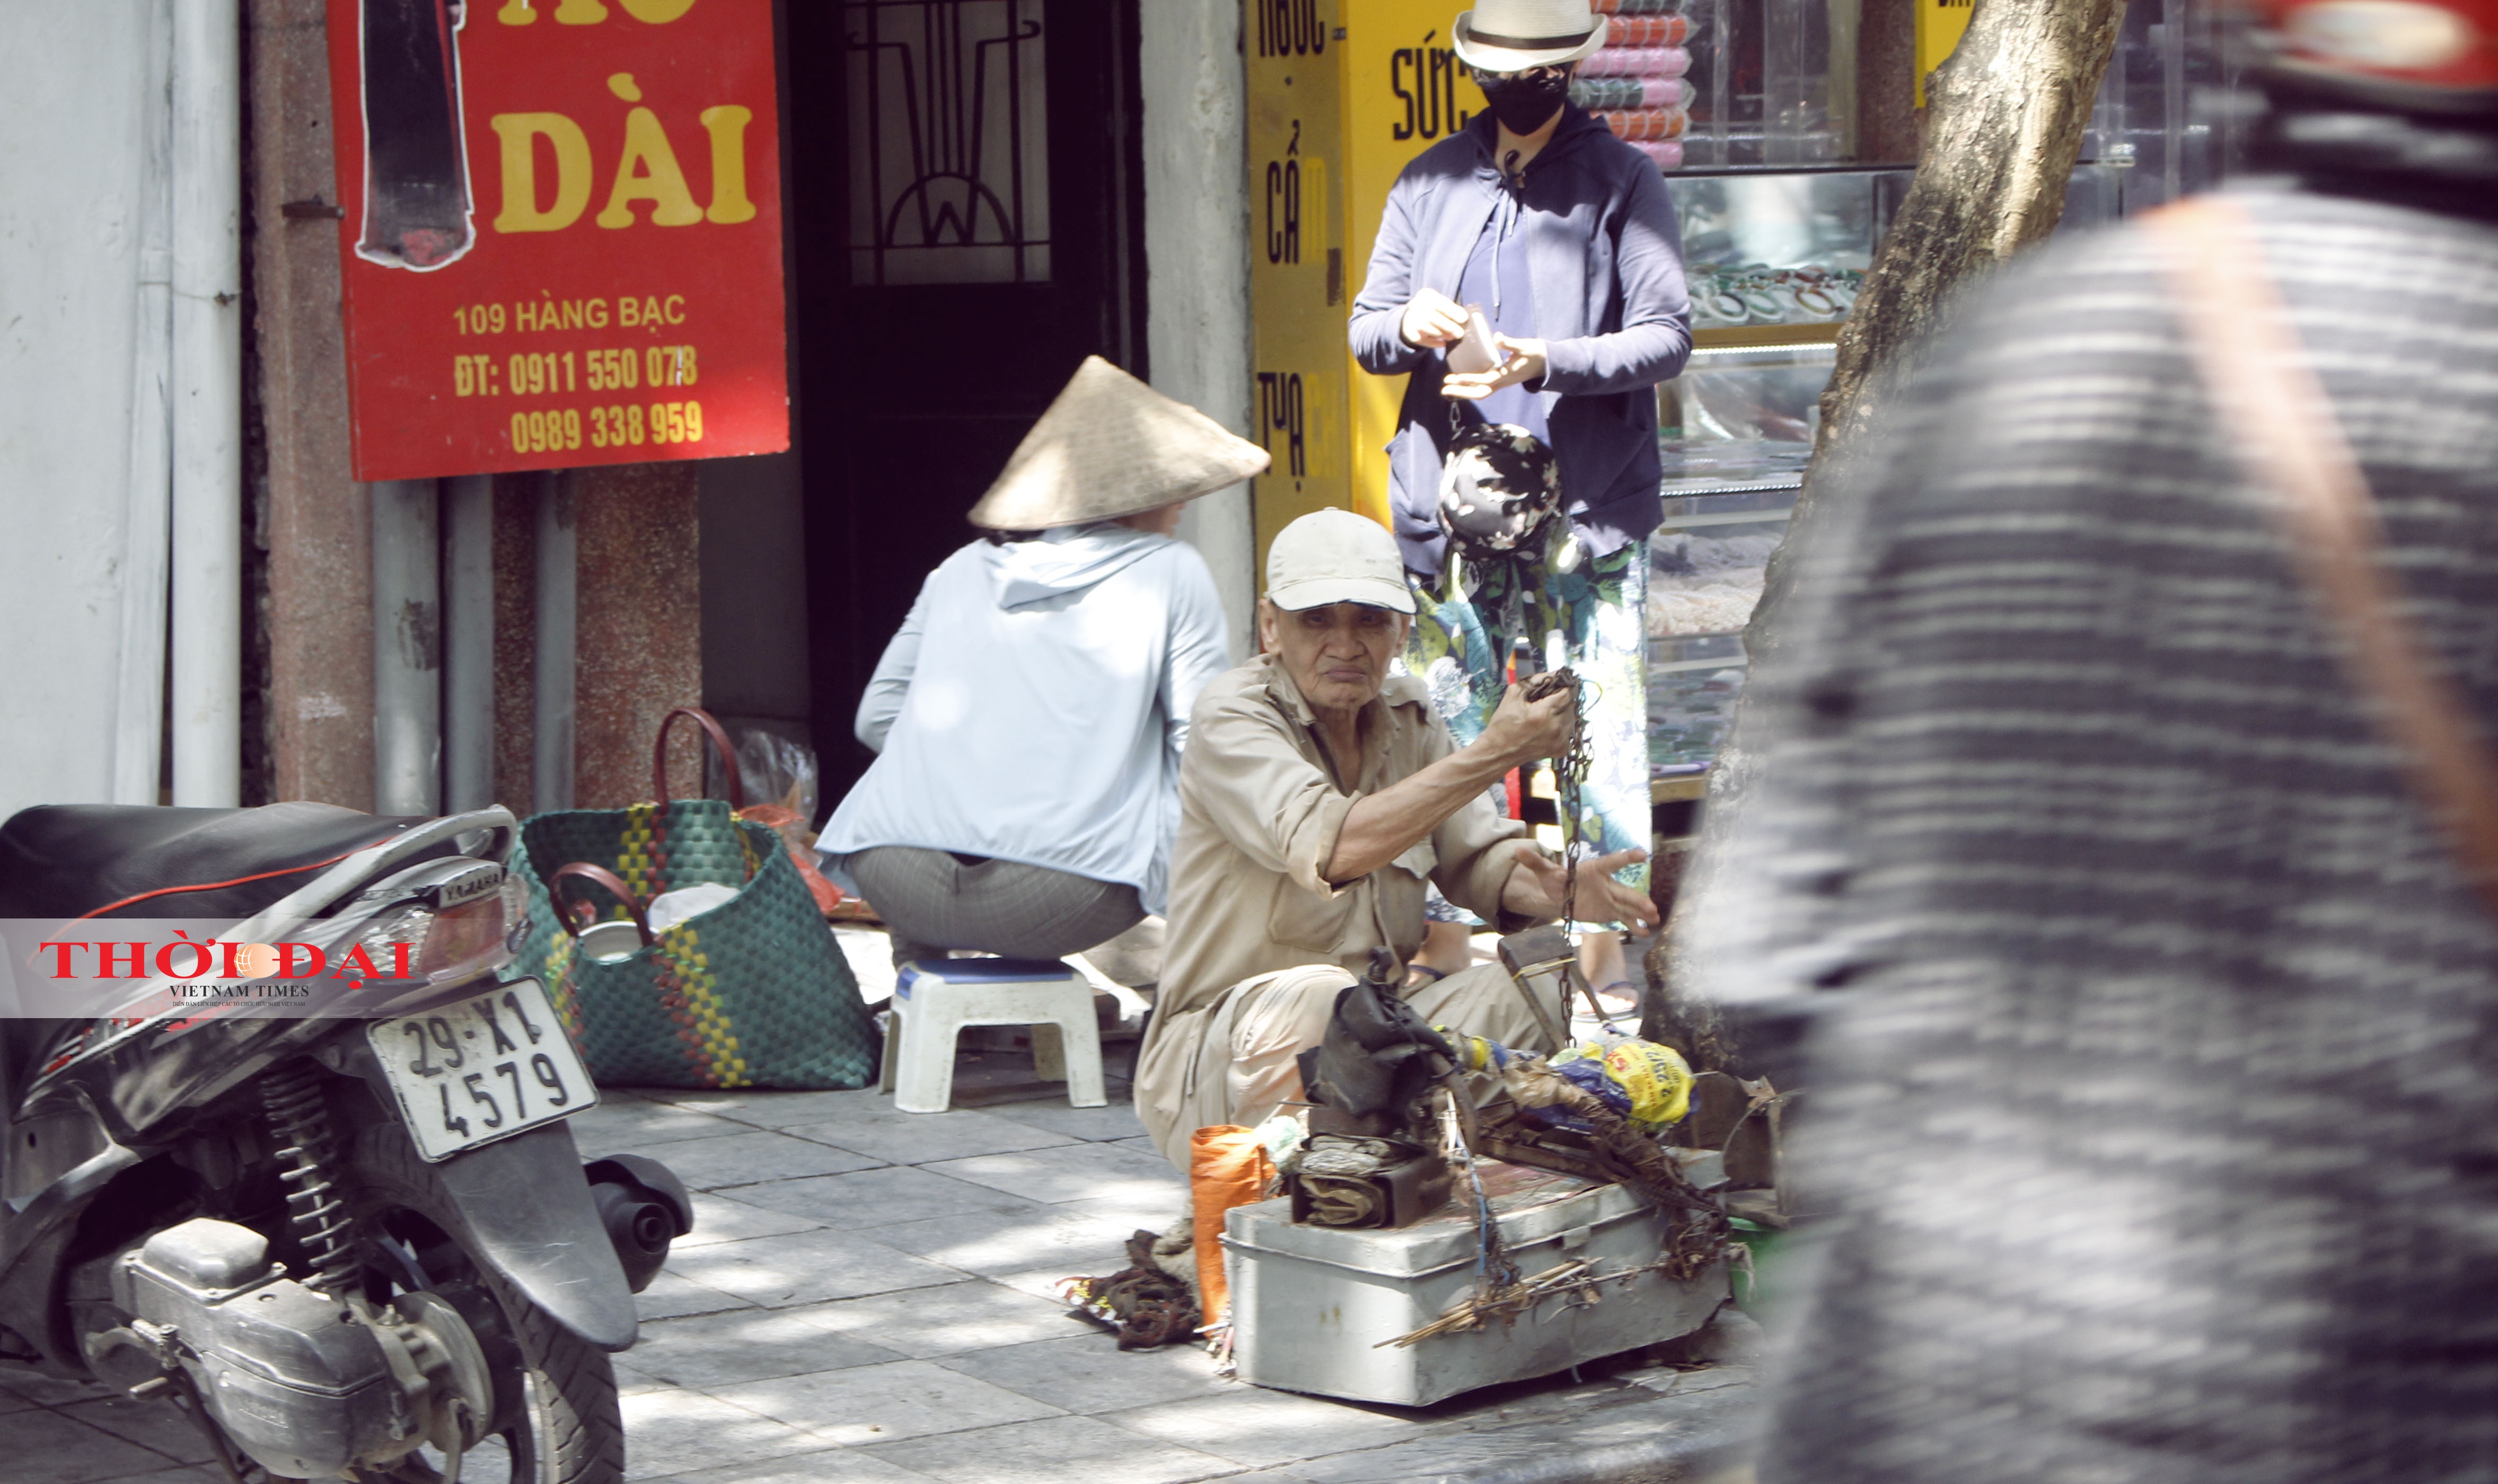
(482, 1069)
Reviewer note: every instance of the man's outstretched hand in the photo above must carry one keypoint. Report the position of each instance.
(1522, 731)
(1537, 882)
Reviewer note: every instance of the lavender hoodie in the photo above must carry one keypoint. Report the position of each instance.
(1605, 263)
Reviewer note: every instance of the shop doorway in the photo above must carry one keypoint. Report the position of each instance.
(968, 208)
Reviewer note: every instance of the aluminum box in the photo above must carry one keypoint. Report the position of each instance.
(1311, 1303)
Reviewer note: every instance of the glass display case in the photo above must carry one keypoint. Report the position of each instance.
(1693, 684)
(1784, 251)
(1742, 418)
(1754, 109)
(1706, 565)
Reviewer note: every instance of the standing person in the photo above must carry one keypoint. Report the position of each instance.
(1564, 237)
(2154, 1078)
(1029, 715)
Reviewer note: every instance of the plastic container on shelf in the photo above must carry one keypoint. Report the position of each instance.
(1671, 30)
(1642, 125)
(1597, 94)
(1635, 7)
(1637, 62)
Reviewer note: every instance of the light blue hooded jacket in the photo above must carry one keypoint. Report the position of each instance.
(1034, 704)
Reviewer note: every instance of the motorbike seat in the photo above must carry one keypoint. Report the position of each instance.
(65, 860)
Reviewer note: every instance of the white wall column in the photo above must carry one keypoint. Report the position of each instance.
(206, 397)
(82, 516)
(1197, 258)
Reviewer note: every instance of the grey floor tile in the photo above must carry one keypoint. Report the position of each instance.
(880, 1403)
(44, 1447)
(918, 1138)
(780, 1110)
(884, 1197)
(1055, 1450)
(1073, 1172)
(153, 1424)
(672, 1294)
(1151, 1210)
(631, 1126)
(40, 1390)
(1087, 1371)
(1118, 1120)
(807, 1268)
(752, 1156)
(630, 1378)
(708, 1351)
(927, 1322)
(195, 1474)
(722, 1218)
(1262, 1429)
(992, 1244)
(672, 1430)
(827, 1465)
(1048, 1282)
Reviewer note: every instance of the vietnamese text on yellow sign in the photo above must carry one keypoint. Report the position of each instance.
(1940, 26)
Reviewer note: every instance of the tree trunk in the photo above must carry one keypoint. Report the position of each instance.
(2004, 128)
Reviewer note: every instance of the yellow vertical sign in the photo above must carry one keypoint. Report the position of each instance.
(1405, 90)
(1341, 99)
(1297, 289)
(1939, 24)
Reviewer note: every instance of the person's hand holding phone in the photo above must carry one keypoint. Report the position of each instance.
(1432, 319)
(1526, 363)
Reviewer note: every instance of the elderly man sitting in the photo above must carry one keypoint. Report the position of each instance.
(1316, 798)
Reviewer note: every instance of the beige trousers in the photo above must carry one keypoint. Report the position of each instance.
(1232, 1061)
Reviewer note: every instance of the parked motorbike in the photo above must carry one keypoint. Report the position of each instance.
(355, 1243)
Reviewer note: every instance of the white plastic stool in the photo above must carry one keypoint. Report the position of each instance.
(935, 998)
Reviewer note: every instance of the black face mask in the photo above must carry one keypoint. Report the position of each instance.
(1525, 102)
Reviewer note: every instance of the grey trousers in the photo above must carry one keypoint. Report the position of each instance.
(933, 901)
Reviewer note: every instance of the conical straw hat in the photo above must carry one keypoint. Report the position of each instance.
(1113, 446)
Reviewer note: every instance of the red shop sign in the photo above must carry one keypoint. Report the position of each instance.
(563, 233)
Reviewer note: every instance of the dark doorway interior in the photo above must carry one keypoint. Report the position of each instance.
(969, 225)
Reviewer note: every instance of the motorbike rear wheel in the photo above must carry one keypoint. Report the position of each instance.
(555, 1415)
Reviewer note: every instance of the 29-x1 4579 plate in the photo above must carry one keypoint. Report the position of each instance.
(482, 1069)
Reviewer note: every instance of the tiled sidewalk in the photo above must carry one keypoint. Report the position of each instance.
(870, 1297)
(869, 1300)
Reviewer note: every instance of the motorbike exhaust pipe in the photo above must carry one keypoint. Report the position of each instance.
(643, 1208)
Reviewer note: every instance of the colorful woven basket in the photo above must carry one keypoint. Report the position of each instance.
(752, 994)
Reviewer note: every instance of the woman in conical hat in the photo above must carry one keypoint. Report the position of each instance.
(1029, 715)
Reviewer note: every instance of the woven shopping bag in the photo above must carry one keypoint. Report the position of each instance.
(753, 992)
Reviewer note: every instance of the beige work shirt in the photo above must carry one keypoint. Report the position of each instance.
(1260, 811)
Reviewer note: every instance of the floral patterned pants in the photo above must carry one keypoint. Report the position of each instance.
(1592, 620)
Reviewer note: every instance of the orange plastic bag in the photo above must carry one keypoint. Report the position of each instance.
(792, 831)
(1227, 1167)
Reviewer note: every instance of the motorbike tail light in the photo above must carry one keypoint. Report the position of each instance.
(448, 944)
(464, 941)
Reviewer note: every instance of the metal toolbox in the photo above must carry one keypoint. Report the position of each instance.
(1311, 1305)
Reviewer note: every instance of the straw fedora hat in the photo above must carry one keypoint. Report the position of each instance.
(1113, 446)
(1513, 35)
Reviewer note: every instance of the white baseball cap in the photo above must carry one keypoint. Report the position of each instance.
(1337, 556)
